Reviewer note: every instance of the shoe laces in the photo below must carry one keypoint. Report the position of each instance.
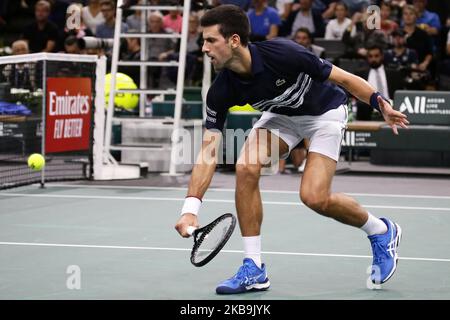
(378, 252)
(244, 275)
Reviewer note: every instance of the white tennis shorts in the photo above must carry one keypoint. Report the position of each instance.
(325, 132)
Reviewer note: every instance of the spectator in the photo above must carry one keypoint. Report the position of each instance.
(442, 9)
(356, 5)
(427, 21)
(398, 3)
(397, 8)
(158, 49)
(132, 52)
(19, 75)
(303, 15)
(194, 55)
(194, 58)
(244, 4)
(303, 37)
(386, 81)
(92, 15)
(106, 30)
(20, 47)
(133, 49)
(330, 9)
(78, 30)
(284, 8)
(336, 27)
(42, 34)
(358, 37)
(194, 35)
(71, 45)
(400, 57)
(134, 21)
(173, 21)
(264, 21)
(58, 12)
(387, 24)
(417, 39)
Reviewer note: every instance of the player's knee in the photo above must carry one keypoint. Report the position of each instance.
(245, 171)
(315, 201)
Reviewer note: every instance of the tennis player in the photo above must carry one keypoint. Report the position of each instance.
(300, 97)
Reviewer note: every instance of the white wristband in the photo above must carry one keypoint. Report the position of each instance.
(191, 205)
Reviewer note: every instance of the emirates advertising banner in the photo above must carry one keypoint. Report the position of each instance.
(68, 115)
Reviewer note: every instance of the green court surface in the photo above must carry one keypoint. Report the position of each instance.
(121, 242)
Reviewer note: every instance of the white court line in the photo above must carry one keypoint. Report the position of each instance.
(287, 203)
(233, 190)
(37, 244)
(69, 196)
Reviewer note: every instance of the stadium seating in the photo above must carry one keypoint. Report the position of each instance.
(333, 48)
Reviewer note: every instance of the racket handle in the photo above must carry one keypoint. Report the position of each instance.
(190, 230)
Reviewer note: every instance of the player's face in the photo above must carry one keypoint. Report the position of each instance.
(216, 47)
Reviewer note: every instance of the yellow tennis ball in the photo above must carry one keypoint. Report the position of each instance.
(36, 161)
(127, 101)
(245, 108)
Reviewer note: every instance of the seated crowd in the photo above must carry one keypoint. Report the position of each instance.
(399, 44)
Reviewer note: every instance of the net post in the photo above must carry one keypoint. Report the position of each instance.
(114, 65)
(44, 112)
(99, 117)
(180, 88)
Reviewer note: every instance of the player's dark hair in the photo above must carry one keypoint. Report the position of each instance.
(231, 20)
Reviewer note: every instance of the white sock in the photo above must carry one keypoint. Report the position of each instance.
(252, 249)
(374, 225)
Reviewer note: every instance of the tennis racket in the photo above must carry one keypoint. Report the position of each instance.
(210, 239)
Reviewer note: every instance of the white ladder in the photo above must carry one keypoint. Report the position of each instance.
(143, 90)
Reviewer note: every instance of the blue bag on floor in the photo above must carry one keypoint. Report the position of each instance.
(7, 108)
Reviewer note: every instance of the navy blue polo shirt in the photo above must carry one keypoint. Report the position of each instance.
(286, 79)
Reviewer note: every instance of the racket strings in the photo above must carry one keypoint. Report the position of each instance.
(211, 238)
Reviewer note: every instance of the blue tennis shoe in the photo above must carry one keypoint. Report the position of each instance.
(248, 278)
(384, 249)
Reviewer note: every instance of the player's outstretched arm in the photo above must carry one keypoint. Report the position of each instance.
(201, 177)
(362, 90)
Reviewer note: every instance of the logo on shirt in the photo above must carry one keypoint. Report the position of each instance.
(280, 82)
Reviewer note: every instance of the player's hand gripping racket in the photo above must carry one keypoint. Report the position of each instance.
(210, 239)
